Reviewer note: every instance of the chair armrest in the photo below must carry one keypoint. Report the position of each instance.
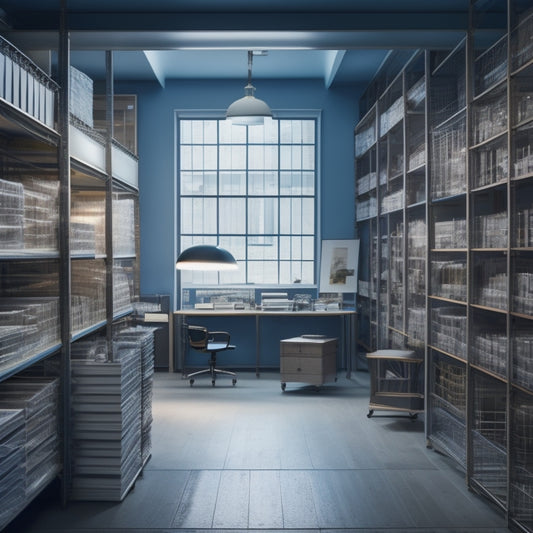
(219, 336)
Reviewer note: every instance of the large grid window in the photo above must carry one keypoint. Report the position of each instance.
(251, 190)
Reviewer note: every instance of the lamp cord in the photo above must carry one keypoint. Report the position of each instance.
(250, 60)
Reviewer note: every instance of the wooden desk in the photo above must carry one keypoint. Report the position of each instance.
(347, 337)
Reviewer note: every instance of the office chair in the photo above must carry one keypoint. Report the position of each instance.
(210, 342)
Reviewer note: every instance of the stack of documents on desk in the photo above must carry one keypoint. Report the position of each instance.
(275, 301)
(224, 306)
(323, 306)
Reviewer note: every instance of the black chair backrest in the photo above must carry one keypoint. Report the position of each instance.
(198, 337)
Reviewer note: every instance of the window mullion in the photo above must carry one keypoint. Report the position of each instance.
(218, 181)
(246, 202)
(236, 152)
(279, 201)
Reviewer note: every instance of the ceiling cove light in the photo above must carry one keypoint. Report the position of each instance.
(248, 110)
(206, 257)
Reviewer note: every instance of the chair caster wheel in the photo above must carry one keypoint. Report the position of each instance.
(234, 381)
(191, 381)
(283, 386)
(213, 382)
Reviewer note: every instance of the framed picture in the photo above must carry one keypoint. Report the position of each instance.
(338, 265)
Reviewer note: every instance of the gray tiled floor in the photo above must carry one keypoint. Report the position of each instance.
(253, 458)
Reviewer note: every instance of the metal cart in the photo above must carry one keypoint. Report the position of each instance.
(396, 382)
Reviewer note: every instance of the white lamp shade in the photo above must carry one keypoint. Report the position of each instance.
(248, 110)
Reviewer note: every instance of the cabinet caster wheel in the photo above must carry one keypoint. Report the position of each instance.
(234, 381)
(191, 381)
(283, 386)
(370, 413)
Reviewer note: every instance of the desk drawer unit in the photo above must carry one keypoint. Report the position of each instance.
(308, 360)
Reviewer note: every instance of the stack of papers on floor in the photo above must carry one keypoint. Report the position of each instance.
(144, 337)
(106, 425)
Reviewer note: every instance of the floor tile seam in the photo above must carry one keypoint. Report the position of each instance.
(306, 439)
(214, 511)
(339, 469)
(180, 499)
(230, 438)
(308, 529)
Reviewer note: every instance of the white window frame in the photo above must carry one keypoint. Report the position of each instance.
(219, 114)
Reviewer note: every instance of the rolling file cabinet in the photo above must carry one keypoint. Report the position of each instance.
(310, 359)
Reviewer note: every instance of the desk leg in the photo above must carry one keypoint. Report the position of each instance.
(349, 335)
(170, 343)
(353, 327)
(179, 346)
(257, 345)
(344, 343)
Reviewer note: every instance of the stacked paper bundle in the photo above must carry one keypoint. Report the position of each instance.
(41, 213)
(11, 215)
(106, 422)
(87, 222)
(27, 325)
(88, 293)
(82, 239)
(144, 337)
(123, 227)
(121, 290)
(12, 463)
(81, 96)
(39, 399)
(11, 340)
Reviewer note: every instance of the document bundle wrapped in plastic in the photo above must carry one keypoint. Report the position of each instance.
(106, 421)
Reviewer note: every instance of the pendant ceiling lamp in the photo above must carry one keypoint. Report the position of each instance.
(206, 257)
(248, 110)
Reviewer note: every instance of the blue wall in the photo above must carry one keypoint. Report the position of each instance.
(156, 106)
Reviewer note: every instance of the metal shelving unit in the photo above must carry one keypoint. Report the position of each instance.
(390, 163)
(467, 252)
(67, 275)
(30, 280)
(479, 406)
